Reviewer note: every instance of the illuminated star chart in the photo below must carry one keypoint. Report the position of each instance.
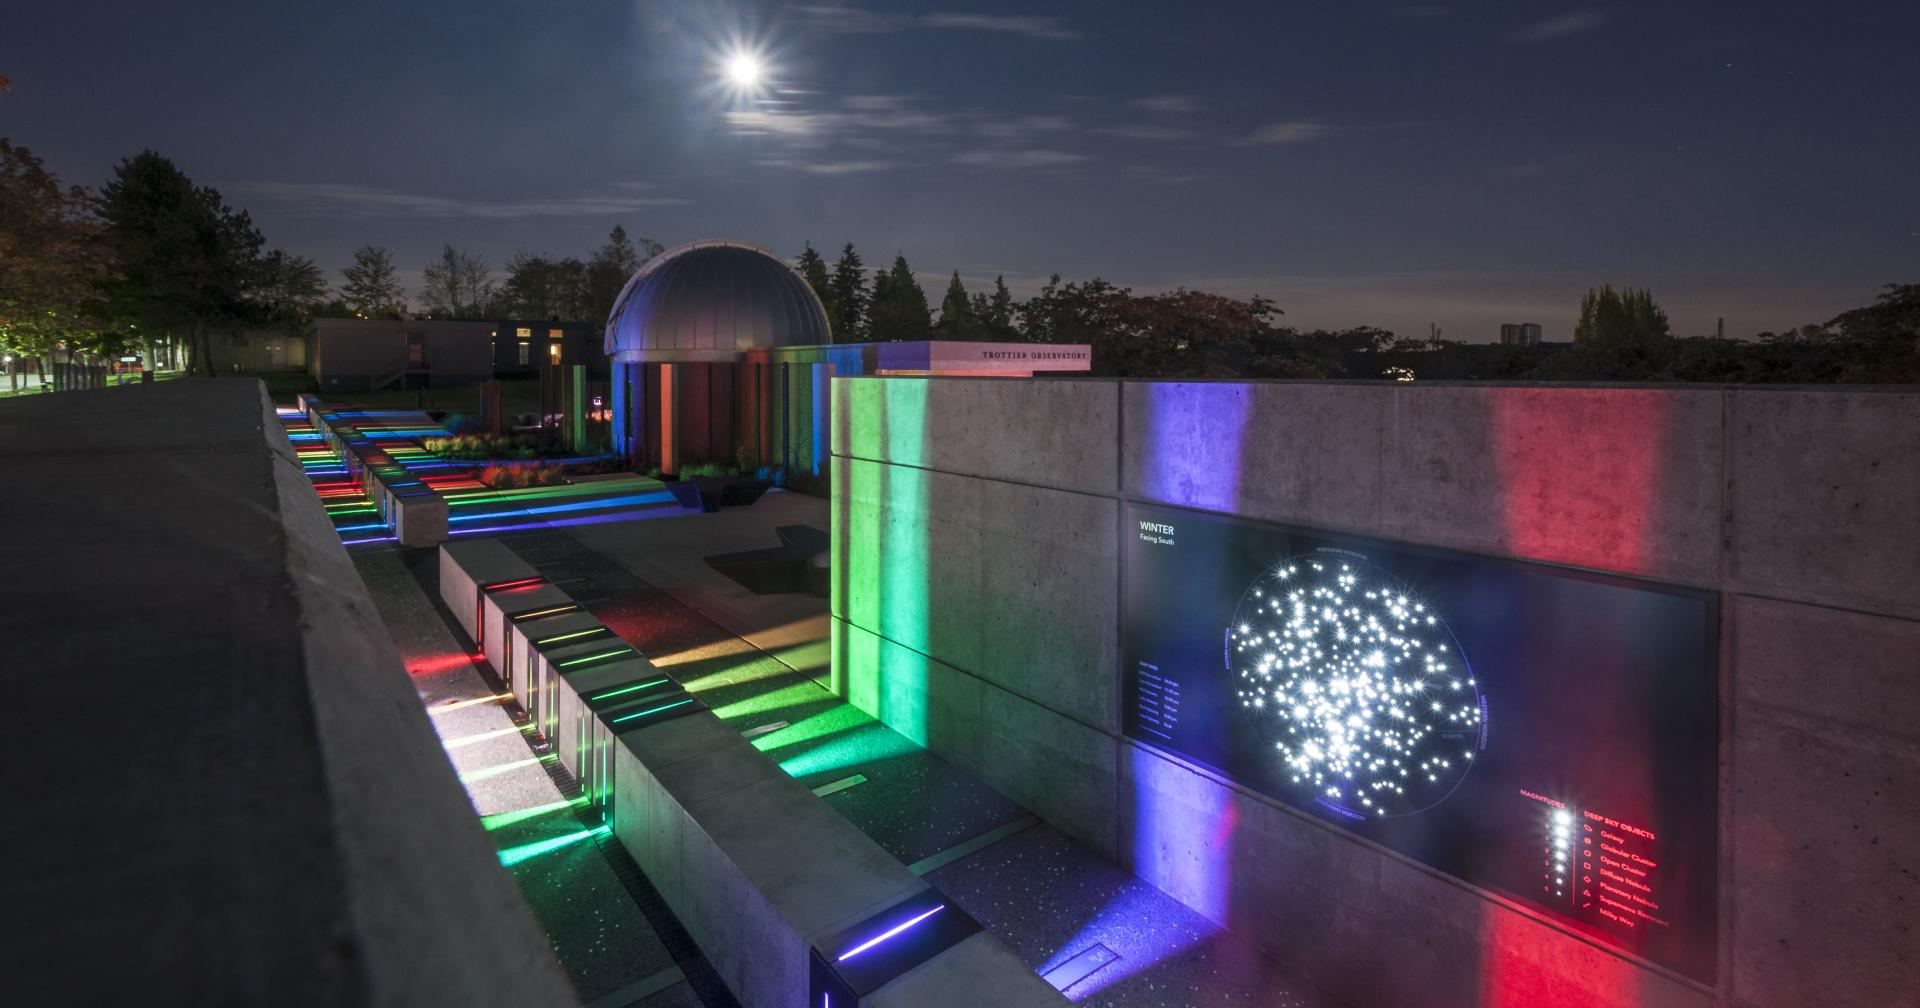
(1368, 701)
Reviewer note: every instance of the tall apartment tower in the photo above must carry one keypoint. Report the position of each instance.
(1524, 334)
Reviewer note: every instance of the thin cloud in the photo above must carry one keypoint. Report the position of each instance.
(1031, 27)
(1035, 157)
(857, 115)
(861, 21)
(1287, 133)
(328, 199)
(1561, 26)
(829, 167)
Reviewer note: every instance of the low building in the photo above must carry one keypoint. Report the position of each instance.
(358, 355)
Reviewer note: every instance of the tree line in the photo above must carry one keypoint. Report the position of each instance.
(152, 257)
(153, 261)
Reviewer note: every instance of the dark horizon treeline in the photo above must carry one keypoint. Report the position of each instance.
(151, 256)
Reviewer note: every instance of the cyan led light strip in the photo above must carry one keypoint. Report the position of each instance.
(889, 933)
(651, 710)
(624, 690)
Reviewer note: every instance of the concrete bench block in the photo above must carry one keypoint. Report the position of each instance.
(499, 607)
(524, 632)
(465, 566)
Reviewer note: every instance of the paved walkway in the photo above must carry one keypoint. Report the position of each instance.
(1095, 930)
(604, 939)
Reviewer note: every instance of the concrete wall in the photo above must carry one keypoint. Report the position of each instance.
(224, 788)
(976, 608)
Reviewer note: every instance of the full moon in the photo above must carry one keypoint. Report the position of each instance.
(744, 70)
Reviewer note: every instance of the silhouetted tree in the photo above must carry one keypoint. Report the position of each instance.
(611, 266)
(187, 262)
(813, 269)
(848, 316)
(458, 285)
(372, 287)
(899, 309)
(957, 321)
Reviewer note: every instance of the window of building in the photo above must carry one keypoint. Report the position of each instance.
(523, 353)
(553, 354)
(556, 334)
(524, 333)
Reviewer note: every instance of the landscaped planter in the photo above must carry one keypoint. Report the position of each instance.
(711, 493)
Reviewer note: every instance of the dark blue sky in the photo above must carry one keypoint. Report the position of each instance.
(1384, 164)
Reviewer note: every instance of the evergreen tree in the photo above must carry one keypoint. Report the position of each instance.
(814, 270)
(957, 321)
(899, 309)
(608, 271)
(998, 317)
(850, 298)
(1617, 318)
(188, 262)
(372, 287)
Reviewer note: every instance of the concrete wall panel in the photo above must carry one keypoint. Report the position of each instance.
(1826, 864)
(1824, 497)
(1303, 454)
(1794, 495)
(1625, 480)
(1057, 433)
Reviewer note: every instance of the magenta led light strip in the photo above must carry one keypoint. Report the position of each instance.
(871, 942)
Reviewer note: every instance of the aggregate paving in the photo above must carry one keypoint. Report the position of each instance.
(601, 937)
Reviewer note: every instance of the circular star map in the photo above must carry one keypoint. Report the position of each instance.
(1358, 687)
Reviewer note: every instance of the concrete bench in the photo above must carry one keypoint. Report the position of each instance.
(466, 566)
(784, 895)
(778, 888)
(417, 514)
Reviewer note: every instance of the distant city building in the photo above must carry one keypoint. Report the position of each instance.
(1526, 334)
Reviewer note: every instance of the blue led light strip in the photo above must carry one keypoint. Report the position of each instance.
(896, 929)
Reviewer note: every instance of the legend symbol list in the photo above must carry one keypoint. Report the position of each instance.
(1159, 702)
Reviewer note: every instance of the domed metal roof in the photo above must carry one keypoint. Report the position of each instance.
(711, 301)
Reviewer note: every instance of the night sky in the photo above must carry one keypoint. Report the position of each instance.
(1360, 163)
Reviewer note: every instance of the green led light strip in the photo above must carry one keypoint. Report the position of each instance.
(624, 690)
(583, 659)
(651, 710)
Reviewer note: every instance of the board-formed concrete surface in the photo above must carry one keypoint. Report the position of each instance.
(1800, 507)
(247, 804)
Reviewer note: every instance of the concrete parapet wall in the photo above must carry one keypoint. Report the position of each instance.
(250, 806)
(976, 608)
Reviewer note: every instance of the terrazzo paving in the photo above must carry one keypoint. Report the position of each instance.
(1047, 896)
(600, 935)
